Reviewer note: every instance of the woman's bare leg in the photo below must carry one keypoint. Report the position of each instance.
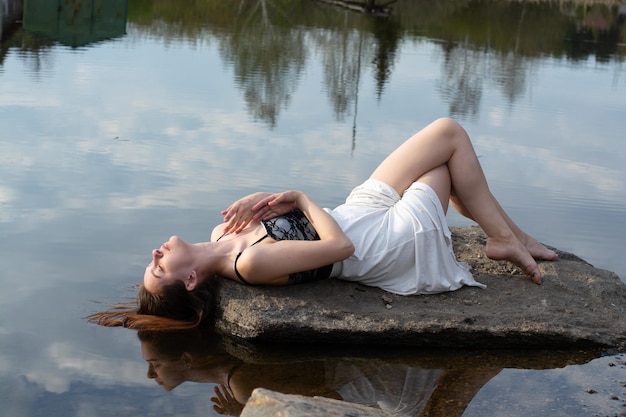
(445, 142)
(536, 249)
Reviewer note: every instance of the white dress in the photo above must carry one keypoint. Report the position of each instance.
(402, 244)
(393, 387)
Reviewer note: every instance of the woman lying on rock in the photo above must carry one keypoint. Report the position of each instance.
(391, 233)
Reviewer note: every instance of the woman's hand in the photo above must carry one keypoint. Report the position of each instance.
(225, 402)
(276, 205)
(240, 213)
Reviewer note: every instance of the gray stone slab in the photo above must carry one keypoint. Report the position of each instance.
(576, 306)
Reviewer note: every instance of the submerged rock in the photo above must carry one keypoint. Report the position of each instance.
(576, 306)
(265, 403)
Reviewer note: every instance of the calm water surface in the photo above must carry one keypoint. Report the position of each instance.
(124, 124)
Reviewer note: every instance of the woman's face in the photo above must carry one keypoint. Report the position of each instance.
(168, 373)
(172, 261)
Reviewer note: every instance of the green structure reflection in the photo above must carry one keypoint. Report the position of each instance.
(10, 15)
(76, 23)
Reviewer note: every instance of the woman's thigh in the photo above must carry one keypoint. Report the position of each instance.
(439, 180)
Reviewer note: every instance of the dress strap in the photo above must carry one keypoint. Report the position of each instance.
(241, 278)
(230, 375)
(260, 240)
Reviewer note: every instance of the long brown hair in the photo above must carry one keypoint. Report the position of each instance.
(174, 309)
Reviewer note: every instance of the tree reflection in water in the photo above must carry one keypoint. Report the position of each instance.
(412, 383)
(268, 43)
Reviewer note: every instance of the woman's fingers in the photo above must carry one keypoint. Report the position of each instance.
(262, 213)
(219, 401)
(238, 222)
(242, 205)
(238, 215)
(225, 402)
(227, 393)
(286, 199)
(264, 202)
(220, 395)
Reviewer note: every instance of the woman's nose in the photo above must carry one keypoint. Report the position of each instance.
(151, 374)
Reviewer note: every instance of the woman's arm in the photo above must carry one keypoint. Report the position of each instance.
(272, 264)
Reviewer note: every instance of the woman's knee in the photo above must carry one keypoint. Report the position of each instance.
(450, 127)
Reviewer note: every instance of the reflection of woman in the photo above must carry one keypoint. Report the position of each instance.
(391, 233)
(177, 357)
(174, 358)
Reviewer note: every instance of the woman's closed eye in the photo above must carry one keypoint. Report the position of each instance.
(156, 267)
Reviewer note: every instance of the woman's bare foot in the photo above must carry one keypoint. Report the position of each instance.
(538, 250)
(514, 251)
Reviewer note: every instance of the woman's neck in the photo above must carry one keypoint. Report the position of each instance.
(205, 255)
(216, 258)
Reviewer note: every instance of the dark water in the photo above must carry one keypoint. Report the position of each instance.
(122, 123)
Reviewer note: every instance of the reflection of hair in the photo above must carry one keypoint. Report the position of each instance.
(174, 309)
(201, 343)
(205, 347)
